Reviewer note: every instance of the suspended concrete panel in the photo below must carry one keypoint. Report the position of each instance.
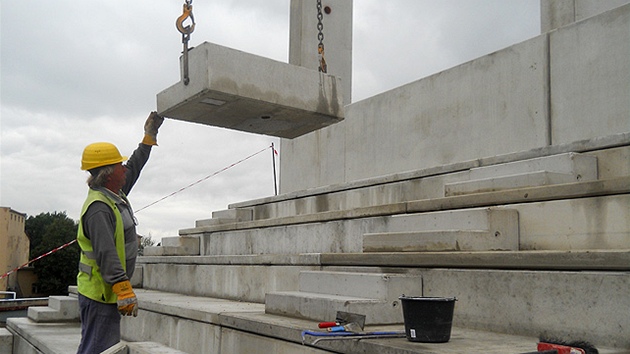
(237, 90)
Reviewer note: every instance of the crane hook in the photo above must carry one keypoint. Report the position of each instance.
(187, 12)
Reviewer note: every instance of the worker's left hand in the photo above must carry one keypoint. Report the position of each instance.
(127, 301)
(151, 126)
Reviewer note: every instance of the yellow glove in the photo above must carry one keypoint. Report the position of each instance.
(127, 301)
(151, 126)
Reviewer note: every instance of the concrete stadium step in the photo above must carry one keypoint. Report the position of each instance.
(457, 230)
(492, 184)
(347, 235)
(431, 241)
(371, 285)
(205, 325)
(226, 217)
(554, 169)
(322, 307)
(60, 308)
(322, 293)
(175, 246)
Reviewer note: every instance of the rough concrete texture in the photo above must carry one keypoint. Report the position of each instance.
(6, 341)
(590, 83)
(587, 305)
(515, 118)
(347, 235)
(322, 293)
(303, 39)
(612, 153)
(559, 13)
(242, 91)
(554, 81)
(48, 338)
(243, 282)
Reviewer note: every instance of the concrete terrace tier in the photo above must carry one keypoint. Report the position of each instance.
(237, 90)
(186, 324)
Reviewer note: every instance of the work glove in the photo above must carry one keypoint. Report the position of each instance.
(151, 127)
(127, 301)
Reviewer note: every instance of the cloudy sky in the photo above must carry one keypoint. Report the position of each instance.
(77, 72)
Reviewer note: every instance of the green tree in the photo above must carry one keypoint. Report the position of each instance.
(145, 241)
(58, 270)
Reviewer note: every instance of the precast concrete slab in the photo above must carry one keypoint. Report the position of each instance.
(576, 224)
(613, 260)
(534, 179)
(591, 306)
(582, 167)
(237, 90)
(385, 286)
(241, 282)
(590, 77)
(44, 338)
(175, 246)
(323, 307)
(432, 241)
(60, 308)
(346, 235)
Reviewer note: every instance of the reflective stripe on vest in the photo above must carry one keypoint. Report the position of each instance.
(90, 283)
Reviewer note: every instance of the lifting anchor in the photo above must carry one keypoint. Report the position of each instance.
(186, 31)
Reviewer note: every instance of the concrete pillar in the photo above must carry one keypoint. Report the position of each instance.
(337, 38)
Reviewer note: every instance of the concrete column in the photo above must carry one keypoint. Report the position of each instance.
(337, 38)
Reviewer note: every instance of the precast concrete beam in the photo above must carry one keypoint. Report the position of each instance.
(241, 91)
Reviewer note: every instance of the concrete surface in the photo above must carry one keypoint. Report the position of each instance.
(588, 305)
(233, 327)
(590, 77)
(6, 341)
(612, 151)
(322, 293)
(559, 13)
(175, 246)
(242, 91)
(60, 308)
(427, 109)
(303, 39)
(558, 88)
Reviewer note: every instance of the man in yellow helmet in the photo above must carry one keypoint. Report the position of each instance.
(108, 240)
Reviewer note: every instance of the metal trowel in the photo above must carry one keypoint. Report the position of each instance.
(345, 321)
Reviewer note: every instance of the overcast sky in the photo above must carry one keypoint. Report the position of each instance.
(77, 72)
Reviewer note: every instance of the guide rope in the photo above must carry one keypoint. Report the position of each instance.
(205, 178)
(38, 258)
(273, 151)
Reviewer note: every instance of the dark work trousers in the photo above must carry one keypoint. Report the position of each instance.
(100, 326)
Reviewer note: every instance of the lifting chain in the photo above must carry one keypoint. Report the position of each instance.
(186, 31)
(320, 36)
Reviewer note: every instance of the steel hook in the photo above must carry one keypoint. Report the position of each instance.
(187, 12)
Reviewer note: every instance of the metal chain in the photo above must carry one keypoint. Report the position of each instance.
(320, 36)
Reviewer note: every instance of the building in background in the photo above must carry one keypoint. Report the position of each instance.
(14, 247)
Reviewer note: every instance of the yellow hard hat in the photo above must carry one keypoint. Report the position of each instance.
(100, 154)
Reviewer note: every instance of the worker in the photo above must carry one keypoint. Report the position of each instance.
(108, 240)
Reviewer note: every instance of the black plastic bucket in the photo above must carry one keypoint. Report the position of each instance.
(428, 319)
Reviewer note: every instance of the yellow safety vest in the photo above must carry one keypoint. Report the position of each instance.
(90, 283)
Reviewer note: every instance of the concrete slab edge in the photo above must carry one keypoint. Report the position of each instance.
(599, 143)
(609, 260)
(619, 185)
